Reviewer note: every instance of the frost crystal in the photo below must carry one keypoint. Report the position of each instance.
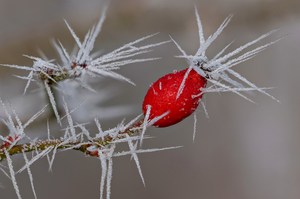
(83, 61)
(218, 70)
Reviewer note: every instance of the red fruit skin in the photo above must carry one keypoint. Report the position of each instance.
(162, 97)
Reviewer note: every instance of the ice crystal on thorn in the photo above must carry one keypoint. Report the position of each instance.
(218, 70)
(30, 175)
(15, 126)
(12, 174)
(83, 60)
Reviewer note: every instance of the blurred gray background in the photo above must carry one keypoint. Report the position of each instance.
(244, 151)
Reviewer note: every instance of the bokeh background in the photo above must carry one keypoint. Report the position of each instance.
(243, 151)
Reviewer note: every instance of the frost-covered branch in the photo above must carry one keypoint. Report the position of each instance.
(89, 147)
(83, 61)
(101, 144)
(176, 98)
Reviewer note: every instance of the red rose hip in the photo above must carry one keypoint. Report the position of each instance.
(162, 97)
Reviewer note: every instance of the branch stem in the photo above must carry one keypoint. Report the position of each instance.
(79, 144)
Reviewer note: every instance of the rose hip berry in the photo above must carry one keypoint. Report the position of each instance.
(162, 97)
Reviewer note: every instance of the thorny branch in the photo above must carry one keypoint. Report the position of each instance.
(84, 62)
(79, 144)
